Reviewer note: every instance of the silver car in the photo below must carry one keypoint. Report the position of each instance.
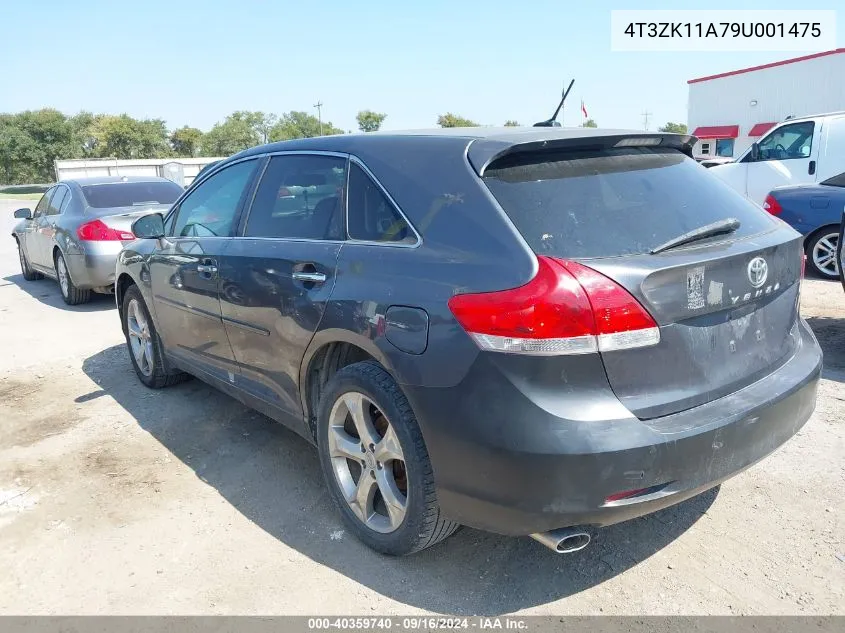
(79, 226)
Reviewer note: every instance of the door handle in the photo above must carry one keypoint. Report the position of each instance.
(207, 267)
(811, 169)
(315, 278)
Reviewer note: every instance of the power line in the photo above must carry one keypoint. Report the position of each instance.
(646, 114)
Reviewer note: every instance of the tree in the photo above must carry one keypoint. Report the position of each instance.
(52, 136)
(589, 123)
(675, 128)
(82, 131)
(125, 137)
(186, 141)
(511, 123)
(297, 124)
(233, 135)
(19, 153)
(260, 122)
(453, 120)
(369, 121)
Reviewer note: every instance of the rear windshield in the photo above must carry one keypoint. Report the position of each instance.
(127, 194)
(604, 203)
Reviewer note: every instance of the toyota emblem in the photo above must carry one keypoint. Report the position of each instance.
(758, 271)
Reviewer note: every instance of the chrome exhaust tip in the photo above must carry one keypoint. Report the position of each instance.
(563, 540)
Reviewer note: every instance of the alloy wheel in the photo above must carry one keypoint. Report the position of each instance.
(61, 269)
(824, 254)
(368, 462)
(140, 337)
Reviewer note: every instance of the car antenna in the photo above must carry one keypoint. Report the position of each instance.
(552, 122)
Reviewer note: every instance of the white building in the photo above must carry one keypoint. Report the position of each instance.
(731, 110)
(179, 170)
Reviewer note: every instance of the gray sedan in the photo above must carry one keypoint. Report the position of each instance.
(79, 226)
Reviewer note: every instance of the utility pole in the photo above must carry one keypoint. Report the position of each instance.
(646, 114)
(319, 106)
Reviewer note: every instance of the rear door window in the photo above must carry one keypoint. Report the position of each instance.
(605, 203)
(300, 197)
(58, 199)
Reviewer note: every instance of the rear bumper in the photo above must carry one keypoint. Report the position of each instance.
(95, 267)
(514, 457)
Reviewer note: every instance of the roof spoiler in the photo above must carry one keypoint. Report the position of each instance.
(483, 152)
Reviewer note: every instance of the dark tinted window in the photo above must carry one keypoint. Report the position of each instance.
(210, 209)
(127, 194)
(59, 197)
(300, 196)
(602, 203)
(371, 215)
(44, 203)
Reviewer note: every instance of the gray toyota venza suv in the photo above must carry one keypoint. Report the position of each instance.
(533, 331)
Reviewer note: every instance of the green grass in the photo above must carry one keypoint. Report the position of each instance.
(20, 196)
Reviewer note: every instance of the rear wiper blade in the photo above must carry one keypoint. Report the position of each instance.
(728, 225)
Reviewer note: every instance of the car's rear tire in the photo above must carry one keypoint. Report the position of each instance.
(821, 252)
(376, 464)
(70, 293)
(145, 348)
(26, 270)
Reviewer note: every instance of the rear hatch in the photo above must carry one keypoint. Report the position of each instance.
(726, 305)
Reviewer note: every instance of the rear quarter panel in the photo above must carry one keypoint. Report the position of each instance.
(808, 208)
(467, 245)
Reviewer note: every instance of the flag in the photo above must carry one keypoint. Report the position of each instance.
(584, 110)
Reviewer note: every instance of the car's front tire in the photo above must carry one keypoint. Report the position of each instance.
(26, 270)
(821, 253)
(70, 293)
(376, 464)
(145, 347)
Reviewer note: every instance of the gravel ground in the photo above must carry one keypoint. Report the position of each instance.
(115, 499)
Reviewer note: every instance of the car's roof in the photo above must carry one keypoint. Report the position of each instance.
(105, 180)
(510, 134)
(487, 142)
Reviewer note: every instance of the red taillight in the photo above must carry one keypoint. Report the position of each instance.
(98, 231)
(772, 206)
(567, 308)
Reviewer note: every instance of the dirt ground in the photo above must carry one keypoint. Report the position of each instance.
(115, 499)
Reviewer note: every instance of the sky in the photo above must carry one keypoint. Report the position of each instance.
(192, 63)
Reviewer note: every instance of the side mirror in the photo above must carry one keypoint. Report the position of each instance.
(149, 227)
(24, 214)
(755, 151)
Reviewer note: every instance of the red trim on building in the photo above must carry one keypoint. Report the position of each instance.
(716, 131)
(761, 128)
(772, 65)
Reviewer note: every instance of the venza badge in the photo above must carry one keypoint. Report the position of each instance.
(758, 271)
